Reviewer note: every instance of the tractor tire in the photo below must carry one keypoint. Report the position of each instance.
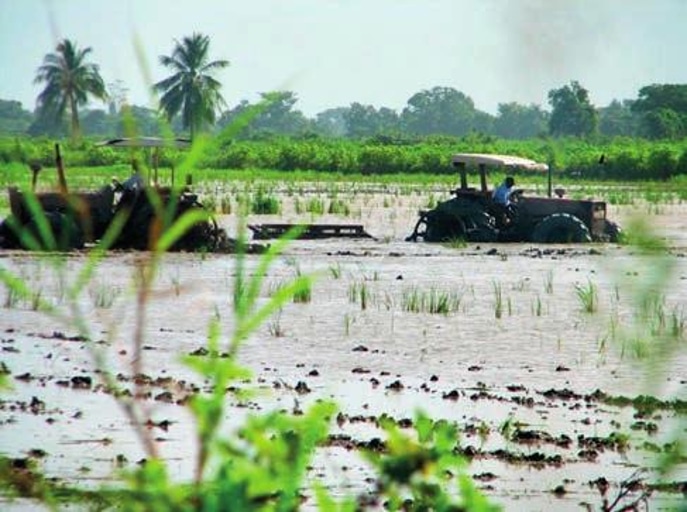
(442, 227)
(66, 231)
(481, 228)
(8, 238)
(612, 232)
(560, 228)
(420, 230)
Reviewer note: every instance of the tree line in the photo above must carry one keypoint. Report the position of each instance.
(190, 101)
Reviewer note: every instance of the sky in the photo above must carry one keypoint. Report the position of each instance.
(332, 53)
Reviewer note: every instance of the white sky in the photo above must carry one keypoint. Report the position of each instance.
(380, 52)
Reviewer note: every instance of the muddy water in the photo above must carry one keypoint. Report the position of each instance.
(518, 347)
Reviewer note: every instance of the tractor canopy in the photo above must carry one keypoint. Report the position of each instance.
(146, 142)
(481, 159)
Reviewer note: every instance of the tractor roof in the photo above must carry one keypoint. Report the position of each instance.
(498, 161)
(146, 142)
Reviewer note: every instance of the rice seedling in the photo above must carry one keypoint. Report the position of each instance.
(265, 204)
(315, 205)
(104, 295)
(349, 320)
(433, 301)
(498, 300)
(36, 299)
(335, 270)
(663, 324)
(456, 243)
(338, 207)
(537, 306)
(358, 292)
(588, 297)
(548, 282)
(483, 431)
(225, 205)
(210, 203)
(304, 293)
(11, 298)
(274, 327)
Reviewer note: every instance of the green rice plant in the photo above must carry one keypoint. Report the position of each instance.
(359, 293)
(315, 206)
(304, 293)
(210, 203)
(36, 299)
(265, 204)
(537, 306)
(588, 297)
(335, 270)
(619, 197)
(433, 301)
(104, 295)
(411, 300)
(225, 205)
(443, 302)
(483, 431)
(339, 207)
(498, 300)
(274, 326)
(298, 206)
(12, 298)
(664, 324)
(349, 320)
(456, 243)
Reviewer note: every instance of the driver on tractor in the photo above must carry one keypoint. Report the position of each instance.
(502, 201)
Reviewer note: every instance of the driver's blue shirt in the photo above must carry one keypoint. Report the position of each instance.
(502, 195)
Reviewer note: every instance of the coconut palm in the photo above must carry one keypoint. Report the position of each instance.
(69, 81)
(191, 90)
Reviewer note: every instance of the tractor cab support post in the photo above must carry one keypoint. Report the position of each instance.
(463, 175)
(483, 177)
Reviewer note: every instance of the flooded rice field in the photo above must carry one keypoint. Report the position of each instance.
(531, 356)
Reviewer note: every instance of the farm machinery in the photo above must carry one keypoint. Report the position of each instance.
(65, 220)
(472, 214)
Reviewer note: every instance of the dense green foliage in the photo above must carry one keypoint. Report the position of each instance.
(620, 158)
(573, 113)
(658, 113)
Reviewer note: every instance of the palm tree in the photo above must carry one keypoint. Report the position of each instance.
(191, 90)
(70, 80)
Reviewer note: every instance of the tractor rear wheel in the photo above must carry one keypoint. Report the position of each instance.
(561, 228)
(8, 237)
(420, 230)
(442, 227)
(481, 227)
(66, 232)
(612, 232)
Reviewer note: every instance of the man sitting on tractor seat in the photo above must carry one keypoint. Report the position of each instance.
(504, 208)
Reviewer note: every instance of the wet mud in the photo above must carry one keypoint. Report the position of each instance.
(556, 406)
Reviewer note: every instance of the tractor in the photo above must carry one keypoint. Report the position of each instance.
(77, 218)
(472, 214)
